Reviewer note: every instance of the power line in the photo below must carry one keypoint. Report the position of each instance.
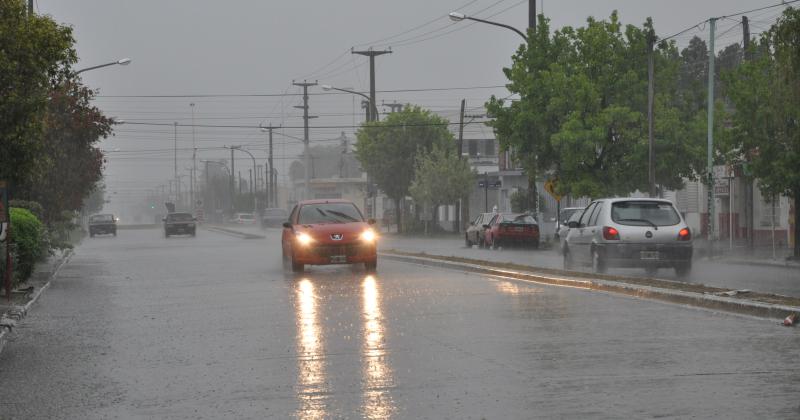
(257, 95)
(784, 3)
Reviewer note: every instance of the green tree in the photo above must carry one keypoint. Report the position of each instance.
(73, 127)
(440, 178)
(766, 125)
(388, 149)
(582, 111)
(36, 53)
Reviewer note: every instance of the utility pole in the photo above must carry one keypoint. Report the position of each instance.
(394, 107)
(711, 57)
(460, 151)
(194, 164)
(372, 54)
(651, 39)
(232, 186)
(306, 151)
(30, 7)
(748, 189)
(373, 116)
(270, 182)
(532, 14)
(175, 126)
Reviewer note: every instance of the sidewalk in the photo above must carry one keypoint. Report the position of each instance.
(740, 254)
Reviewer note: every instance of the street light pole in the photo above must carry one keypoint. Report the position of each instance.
(194, 161)
(457, 17)
(306, 150)
(175, 125)
(372, 115)
(270, 183)
(121, 62)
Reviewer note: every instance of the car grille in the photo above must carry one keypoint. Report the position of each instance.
(349, 250)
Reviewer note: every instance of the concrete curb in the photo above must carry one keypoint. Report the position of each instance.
(700, 300)
(17, 313)
(762, 263)
(232, 232)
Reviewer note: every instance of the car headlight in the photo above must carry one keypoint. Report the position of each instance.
(369, 236)
(304, 238)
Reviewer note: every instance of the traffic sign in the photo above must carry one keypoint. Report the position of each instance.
(550, 186)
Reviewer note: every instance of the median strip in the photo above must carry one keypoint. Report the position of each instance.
(752, 303)
(231, 232)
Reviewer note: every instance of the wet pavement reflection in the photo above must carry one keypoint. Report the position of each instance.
(313, 308)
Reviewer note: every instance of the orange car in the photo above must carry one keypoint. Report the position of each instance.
(321, 232)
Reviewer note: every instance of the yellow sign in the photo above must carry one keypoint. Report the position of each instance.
(550, 187)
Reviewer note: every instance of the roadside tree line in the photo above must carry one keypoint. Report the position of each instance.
(49, 132)
(581, 117)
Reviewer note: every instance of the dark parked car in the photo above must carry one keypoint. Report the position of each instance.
(475, 231)
(102, 224)
(512, 229)
(179, 224)
(274, 217)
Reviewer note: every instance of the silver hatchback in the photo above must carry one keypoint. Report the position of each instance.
(630, 232)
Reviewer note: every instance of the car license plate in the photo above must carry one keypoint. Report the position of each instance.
(338, 259)
(648, 255)
(519, 229)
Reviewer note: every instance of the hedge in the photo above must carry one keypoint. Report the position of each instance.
(27, 234)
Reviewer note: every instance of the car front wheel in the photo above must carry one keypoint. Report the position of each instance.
(371, 266)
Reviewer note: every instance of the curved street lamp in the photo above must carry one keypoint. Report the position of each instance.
(458, 17)
(122, 62)
(373, 108)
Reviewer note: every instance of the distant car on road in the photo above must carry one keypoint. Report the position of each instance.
(630, 232)
(274, 217)
(179, 224)
(321, 232)
(507, 229)
(102, 224)
(243, 219)
(475, 232)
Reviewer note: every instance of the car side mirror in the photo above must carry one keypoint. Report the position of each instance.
(486, 226)
(573, 225)
(370, 221)
(287, 225)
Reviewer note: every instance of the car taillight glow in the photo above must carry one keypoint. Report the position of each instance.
(610, 233)
(684, 235)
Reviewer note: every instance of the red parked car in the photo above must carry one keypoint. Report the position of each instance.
(321, 232)
(512, 229)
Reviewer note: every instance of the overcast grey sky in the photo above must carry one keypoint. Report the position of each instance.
(240, 47)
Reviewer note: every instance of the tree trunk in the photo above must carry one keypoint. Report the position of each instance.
(796, 252)
(397, 211)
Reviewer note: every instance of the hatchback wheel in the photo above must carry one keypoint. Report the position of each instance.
(598, 262)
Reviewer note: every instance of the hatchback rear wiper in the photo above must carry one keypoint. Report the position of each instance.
(655, 226)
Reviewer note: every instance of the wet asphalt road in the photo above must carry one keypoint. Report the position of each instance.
(768, 279)
(140, 326)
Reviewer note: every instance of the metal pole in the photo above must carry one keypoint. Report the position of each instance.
(306, 151)
(730, 211)
(532, 14)
(175, 126)
(194, 161)
(232, 184)
(486, 192)
(650, 125)
(710, 151)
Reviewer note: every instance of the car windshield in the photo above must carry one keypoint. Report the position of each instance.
(329, 213)
(644, 213)
(102, 218)
(517, 219)
(565, 215)
(275, 212)
(180, 217)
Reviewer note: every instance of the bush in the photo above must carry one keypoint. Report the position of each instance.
(27, 248)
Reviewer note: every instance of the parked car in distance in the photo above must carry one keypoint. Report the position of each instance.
(321, 232)
(507, 229)
(563, 218)
(630, 232)
(179, 224)
(102, 224)
(274, 217)
(243, 219)
(562, 237)
(475, 231)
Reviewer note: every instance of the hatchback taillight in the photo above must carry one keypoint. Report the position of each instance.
(610, 233)
(684, 235)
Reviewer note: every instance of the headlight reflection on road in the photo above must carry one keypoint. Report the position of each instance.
(377, 380)
(311, 381)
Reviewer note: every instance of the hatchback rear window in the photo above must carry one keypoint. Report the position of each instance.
(644, 213)
(518, 219)
(180, 217)
(102, 218)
